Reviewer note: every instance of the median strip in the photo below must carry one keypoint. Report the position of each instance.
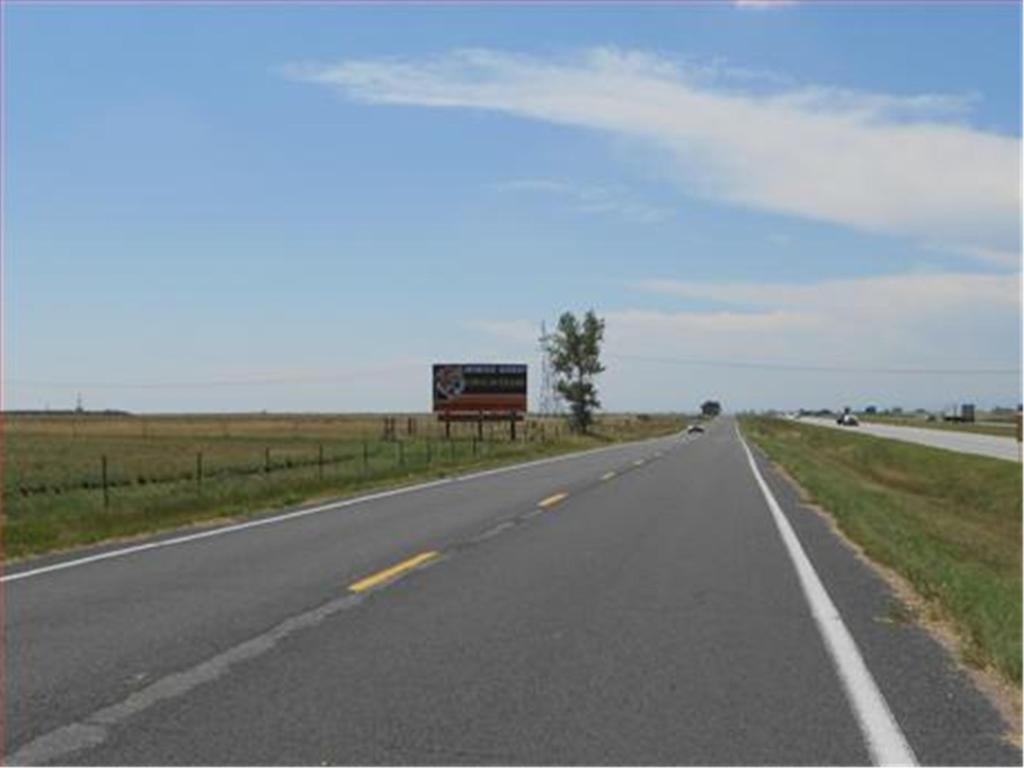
(392, 573)
(550, 501)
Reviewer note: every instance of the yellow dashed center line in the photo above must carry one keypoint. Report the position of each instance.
(550, 501)
(393, 572)
(607, 475)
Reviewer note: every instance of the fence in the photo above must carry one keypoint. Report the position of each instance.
(321, 461)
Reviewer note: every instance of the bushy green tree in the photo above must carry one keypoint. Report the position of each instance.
(575, 352)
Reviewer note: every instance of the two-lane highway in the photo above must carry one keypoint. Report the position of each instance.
(634, 605)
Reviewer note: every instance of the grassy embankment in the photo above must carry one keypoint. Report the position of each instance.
(949, 523)
(53, 497)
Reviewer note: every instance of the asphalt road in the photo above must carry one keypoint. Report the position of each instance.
(639, 605)
(993, 446)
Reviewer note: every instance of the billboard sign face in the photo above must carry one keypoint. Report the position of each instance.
(489, 388)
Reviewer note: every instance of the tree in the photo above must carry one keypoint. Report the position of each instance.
(575, 351)
(710, 408)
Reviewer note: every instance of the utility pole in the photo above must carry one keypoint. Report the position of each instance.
(549, 400)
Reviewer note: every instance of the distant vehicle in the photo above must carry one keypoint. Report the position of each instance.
(847, 420)
(963, 413)
(695, 429)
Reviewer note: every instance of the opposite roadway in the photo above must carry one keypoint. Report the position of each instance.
(640, 604)
(993, 446)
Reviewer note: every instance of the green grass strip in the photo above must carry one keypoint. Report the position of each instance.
(949, 523)
(47, 522)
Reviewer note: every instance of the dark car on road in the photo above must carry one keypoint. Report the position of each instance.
(695, 429)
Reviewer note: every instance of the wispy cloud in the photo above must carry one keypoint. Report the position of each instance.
(893, 300)
(998, 257)
(763, 4)
(885, 163)
(943, 320)
(590, 199)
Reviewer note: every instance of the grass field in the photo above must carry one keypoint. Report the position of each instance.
(949, 523)
(167, 471)
(1000, 428)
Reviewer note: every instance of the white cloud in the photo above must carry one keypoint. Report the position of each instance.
(591, 199)
(901, 165)
(945, 322)
(713, 323)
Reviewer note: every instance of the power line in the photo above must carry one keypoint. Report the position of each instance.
(212, 383)
(342, 377)
(549, 400)
(810, 368)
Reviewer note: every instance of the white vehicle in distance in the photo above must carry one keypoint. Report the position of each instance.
(847, 420)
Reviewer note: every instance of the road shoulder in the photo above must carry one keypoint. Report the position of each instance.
(940, 707)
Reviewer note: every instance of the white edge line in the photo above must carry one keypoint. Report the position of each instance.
(885, 740)
(307, 511)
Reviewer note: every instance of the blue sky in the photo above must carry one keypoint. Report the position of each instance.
(233, 207)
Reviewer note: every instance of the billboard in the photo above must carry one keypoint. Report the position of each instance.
(479, 388)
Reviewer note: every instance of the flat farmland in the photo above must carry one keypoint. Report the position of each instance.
(166, 471)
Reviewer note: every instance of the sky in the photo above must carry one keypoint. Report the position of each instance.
(235, 207)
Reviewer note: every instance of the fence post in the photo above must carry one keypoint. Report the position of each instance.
(106, 492)
(199, 471)
(366, 458)
(451, 450)
(474, 447)
(266, 460)
(320, 462)
(429, 451)
(401, 453)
